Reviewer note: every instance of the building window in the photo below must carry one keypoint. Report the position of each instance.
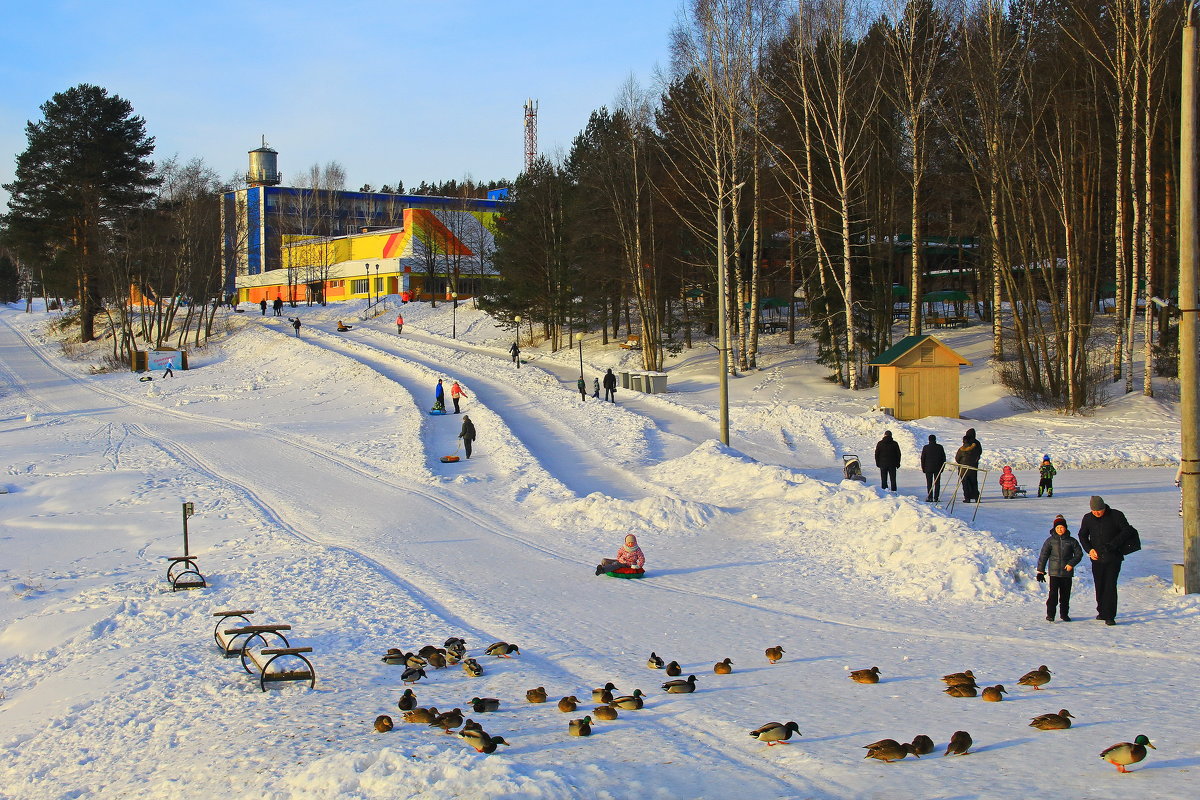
(359, 286)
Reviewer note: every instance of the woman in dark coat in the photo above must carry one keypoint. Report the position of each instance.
(933, 456)
(968, 456)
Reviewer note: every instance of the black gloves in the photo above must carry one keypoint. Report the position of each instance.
(1041, 577)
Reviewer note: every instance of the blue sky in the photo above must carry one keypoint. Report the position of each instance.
(391, 89)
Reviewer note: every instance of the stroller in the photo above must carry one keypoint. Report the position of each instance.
(852, 469)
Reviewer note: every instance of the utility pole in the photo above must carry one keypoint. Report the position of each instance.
(1189, 408)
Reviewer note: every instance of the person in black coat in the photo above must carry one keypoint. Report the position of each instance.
(887, 458)
(933, 456)
(610, 386)
(1060, 554)
(1104, 534)
(467, 434)
(968, 456)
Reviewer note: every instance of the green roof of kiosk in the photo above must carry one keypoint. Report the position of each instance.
(893, 353)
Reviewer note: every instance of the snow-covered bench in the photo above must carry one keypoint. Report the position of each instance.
(231, 640)
(263, 658)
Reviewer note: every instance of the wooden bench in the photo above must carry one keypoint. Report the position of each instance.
(774, 326)
(231, 640)
(263, 658)
(184, 573)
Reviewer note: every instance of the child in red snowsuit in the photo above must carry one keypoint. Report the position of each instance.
(629, 555)
(1008, 482)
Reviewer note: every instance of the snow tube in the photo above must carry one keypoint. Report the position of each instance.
(437, 411)
(449, 459)
(627, 573)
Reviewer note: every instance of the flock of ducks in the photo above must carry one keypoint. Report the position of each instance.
(454, 652)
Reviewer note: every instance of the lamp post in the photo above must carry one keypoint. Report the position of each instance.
(367, 268)
(1189, 399)
(579, 341)
(454, 316)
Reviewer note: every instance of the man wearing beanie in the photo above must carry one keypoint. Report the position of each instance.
(1104, 534)
(933, 457)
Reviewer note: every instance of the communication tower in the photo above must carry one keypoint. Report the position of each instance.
(531, 109)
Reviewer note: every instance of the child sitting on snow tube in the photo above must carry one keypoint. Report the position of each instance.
(630, 558)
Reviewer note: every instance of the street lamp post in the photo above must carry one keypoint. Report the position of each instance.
(454, 316)
(367, 268)
(1189, 362)
(579, 341)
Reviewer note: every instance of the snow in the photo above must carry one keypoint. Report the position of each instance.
(321, 502)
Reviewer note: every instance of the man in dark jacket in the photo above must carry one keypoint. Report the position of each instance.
(968, 456)
(610, 386)
(1104, 533)
(887, 458)
(933, 456)
(467, 434)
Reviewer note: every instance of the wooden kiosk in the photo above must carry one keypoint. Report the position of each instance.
(918, 377)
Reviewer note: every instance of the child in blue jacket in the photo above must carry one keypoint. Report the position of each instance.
(1061, 552)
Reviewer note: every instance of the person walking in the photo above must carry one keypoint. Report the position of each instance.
(169, 373)
(296, 324)
(515, 350)
(582, 384)
(456, 393)
(1046, 473)
(399, 323)
(596, 388)
(610, 386)
(467, 434)
(887, 458)
(1059, 556)
(967, 458)
(1104, 534)
(933, 457)
(262, 305)
(277, 305)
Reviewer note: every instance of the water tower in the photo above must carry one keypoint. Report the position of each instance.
(264, 168)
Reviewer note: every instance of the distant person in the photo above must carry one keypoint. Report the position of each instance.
(1059, 556)
(596, 388)
(296, 324)
(342, 326)
(262, 304)
(1104, 534)
(582, 384)
(1046, 473)
(628, 555)
(933, 458)
(887, 458)
(439, 397)
(169, 373)
(610, 386)
(515, 351)
(467, 434)
(1179, 485)
(277, 305)
(1008, 483)
(968, 458)
(456, 393)
(399, 323)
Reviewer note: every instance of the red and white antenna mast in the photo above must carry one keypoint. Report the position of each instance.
(531, 109)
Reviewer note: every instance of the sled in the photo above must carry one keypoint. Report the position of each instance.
(345, 328)
(145, 378)
(437, 411)
(627, 573)
(450, 459)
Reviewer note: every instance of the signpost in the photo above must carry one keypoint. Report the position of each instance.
(188, 510)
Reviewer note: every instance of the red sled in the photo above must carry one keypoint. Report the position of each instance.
(449, 459)
(627, 573)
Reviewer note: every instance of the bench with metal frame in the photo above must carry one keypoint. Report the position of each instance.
(263, 658)
(230, 639)
(184, 573)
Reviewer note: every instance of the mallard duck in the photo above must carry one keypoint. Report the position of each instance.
(428, 650)
(491, 745)
(447, 720)
(437, 660)
(383, 723)
(537, 695)
(568, 705)
(961, 690)
(604, 712)
(472, 668)
(604, 693)
(580, 727)
(421, 715)
(654, 661)
(922, 744)
(471, 725)
(481, 741)
(482, 705)
(774, 733)
(629, 702)
(412, 675)
(1123, 754)
(414, 661)
(959, 677)
(395, 657)
(1052, 722)
(454, 642)
(960, 744)
(681, 686)
(865, 675)
(502, 650)
(994, 694)
(723, 667)
(889, 750)
(1037, 678)
(453, 658)
(774, 654)
(408, 700)
(673, 669)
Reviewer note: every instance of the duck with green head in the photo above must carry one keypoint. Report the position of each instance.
(1122, 754)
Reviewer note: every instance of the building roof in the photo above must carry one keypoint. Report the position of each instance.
(906, 345)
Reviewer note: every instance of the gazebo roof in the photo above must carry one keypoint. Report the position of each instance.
(906, 345)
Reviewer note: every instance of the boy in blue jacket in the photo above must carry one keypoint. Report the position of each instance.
(1060, 554)
(1046, 473)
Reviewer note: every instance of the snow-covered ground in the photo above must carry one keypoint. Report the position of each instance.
(321, 502)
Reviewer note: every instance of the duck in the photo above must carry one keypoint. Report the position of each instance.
(1037, 678)
(454, 642)
(1052, 722)
(383, 723)
(959, 677)
(723, 667)
(414, 661)
(1122, 754)
(994, 694)
(629, 702)
(961, 690)
(865, 675)
(421, 715)
(580, 727)
(481, 740)
(472, 668)
(774, 654)
(447, 720)
(452, 658)
(491, 746)
(481, 705)
(960, 744)
(673, 669)
(437, 660)
(456, 649)
(567, 705)
(428, 650)
(604, 693)
(395, 657)
(408, 701)
(681, 686)
(922, 744)
(774, 733)
(502, 650)
(471, 725)
(537, 695)
(412, 675)
(889, 750)
(654, 661)
(604, 712)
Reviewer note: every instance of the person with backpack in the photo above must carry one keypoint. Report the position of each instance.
(1107, 537)
(1059, 556)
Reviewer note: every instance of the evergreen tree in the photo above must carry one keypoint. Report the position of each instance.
(87, 162)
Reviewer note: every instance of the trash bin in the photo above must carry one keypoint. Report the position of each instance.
(635, 381)
(655, 382)
(624, 375)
